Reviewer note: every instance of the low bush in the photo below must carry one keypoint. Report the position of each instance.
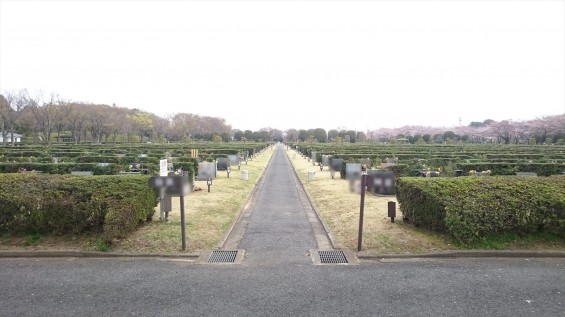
(188, 165)
(400, 170)
(472, 207)
(501, 168)
(114, 205)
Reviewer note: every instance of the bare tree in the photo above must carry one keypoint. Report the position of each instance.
(99, 117)
(12, 107)
(160, 126)
(129, 128)
(3, 112)
(76, 118)
(46, 114)
(62, 122)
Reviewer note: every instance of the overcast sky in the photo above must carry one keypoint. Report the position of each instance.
(286, 64)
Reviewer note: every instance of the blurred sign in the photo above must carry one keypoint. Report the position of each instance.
(336, 164)
(222, 163)
(234, 159)
(353, 171)
(206, 170)
(173, 185)
(163, 167)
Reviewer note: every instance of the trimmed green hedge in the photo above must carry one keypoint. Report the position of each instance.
(114, 205)
(61, 168)
(472, 207)
(542, 169)
(190, 166)
(117, 159)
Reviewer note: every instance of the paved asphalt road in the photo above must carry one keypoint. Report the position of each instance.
(278, 231)
(151, 287)
(277, 277)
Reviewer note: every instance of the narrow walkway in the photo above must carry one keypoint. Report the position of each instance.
(279, 226)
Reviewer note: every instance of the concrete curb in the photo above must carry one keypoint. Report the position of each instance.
(252, 193)
(470, 254)
(333, 241)
(437, 255)
(88, 254)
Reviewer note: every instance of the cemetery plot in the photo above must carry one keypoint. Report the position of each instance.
(436, 160)
(339, 204)
(112, 159)
(340, 209)
(208, 214)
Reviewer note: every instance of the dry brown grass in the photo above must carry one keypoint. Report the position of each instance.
(208, 215)
(340, 209)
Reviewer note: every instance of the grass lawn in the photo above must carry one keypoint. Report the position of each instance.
(340, 209)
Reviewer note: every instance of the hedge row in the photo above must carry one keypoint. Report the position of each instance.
(116, 159)
(114, 205)
(111, 151)
(472, 207)
(189, 165)
(61, 168)
(542, 169)
(500, 159)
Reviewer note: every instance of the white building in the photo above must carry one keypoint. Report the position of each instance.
(17, 137)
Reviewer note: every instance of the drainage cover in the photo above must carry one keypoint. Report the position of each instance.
(222, 256)
(332, 257)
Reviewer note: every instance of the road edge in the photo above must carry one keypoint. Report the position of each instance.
(331, 237)
(88, 254)
(470, 254)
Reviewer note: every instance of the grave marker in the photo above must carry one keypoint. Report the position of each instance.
(223, 164)
(352, 171)
(206, 170)
(234, 160)
(335, 166)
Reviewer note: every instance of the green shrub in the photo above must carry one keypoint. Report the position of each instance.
(542, 169)
(190, 166)
(61, 168)
(59, 204)
(400, 170)
(472, 207)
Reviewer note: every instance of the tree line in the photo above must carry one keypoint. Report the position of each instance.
(50, 119)
(44, 120)
(544, 130)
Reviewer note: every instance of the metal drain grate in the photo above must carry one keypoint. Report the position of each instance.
(222, 257)
(332, 257)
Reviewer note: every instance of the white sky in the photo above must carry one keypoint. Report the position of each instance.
(287, 64)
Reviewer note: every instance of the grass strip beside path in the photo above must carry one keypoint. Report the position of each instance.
(340, 209)
(208, 215)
